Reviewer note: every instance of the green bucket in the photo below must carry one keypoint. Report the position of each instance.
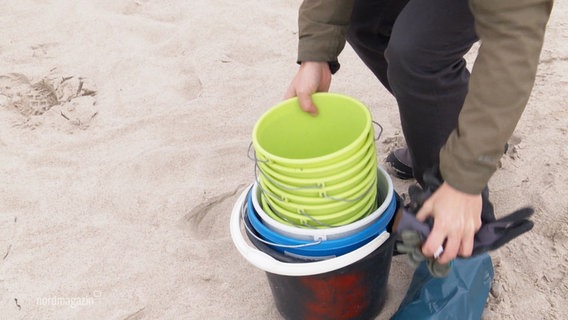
(366, 150)
(287, 136)
(313, 187)
(385, 191)
(333, 206)
(348, 193)
(335, 219)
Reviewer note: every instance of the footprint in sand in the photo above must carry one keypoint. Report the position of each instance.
(53, 98)
(208, 219)
(28, 98)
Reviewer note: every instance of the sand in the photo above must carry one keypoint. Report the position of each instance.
(123, 149)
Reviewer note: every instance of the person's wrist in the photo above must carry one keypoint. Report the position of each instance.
(322, 65)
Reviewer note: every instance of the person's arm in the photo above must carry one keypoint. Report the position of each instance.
(322, 28)
(511, 34)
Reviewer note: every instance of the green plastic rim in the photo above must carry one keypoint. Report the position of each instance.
(385, 191)
(336, 219)
(288, 136)
(329, 208)
(301, 185)
(318, 210)
(329, 201)
(323, 171)
(328, 218)
(320, 190)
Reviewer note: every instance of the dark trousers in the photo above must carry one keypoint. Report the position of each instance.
(416, 49)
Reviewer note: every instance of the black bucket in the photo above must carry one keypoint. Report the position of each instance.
(357, 291)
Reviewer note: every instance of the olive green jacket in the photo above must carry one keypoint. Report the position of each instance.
(511, 34)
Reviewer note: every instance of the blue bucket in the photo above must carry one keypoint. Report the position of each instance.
(322, 249)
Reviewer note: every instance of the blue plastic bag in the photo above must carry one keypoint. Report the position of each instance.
(461, 295)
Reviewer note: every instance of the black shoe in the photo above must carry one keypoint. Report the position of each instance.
(400, 169)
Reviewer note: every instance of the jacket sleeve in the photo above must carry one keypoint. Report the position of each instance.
(511, 34)
(322, 28)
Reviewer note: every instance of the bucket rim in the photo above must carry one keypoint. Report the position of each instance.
(324, 170)
(330, 233)
(330, 182)
(336, 217)
(333, 156)
(267, 263)
(353, 188)
(317, 247)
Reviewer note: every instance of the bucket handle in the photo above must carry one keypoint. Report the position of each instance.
(373, 185)
(322, 194)
(304, 224)
(380, 131)
(262, 190)
(282, 199)
(271, 194)
(253, 157)
(302, 212)
(244, 208)
(267, 263)
(269, 178)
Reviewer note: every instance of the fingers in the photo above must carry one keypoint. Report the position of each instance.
(452, 239)
(325, 81)
(306, 103)
(442, 247)
(435, 240)
(425, 211)
(290, 93)
(437, 237)
(457, 216)
(311, 77)
(451, 249)
(305, 100)
(467, 244)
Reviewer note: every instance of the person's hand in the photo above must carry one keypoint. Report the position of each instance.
(457, 217)
(311, 77)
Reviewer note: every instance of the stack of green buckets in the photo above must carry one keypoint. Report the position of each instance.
(316, 172)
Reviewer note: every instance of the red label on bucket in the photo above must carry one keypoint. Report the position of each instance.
(341, 296)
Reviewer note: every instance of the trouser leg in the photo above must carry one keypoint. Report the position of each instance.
(427, 73)
(370, 30)
(416, 49)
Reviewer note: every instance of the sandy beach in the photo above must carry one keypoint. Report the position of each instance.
(124, 129)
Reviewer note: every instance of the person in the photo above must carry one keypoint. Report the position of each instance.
(451, 119)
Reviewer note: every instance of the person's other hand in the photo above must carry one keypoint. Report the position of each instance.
(457, 217)
(311, 77)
